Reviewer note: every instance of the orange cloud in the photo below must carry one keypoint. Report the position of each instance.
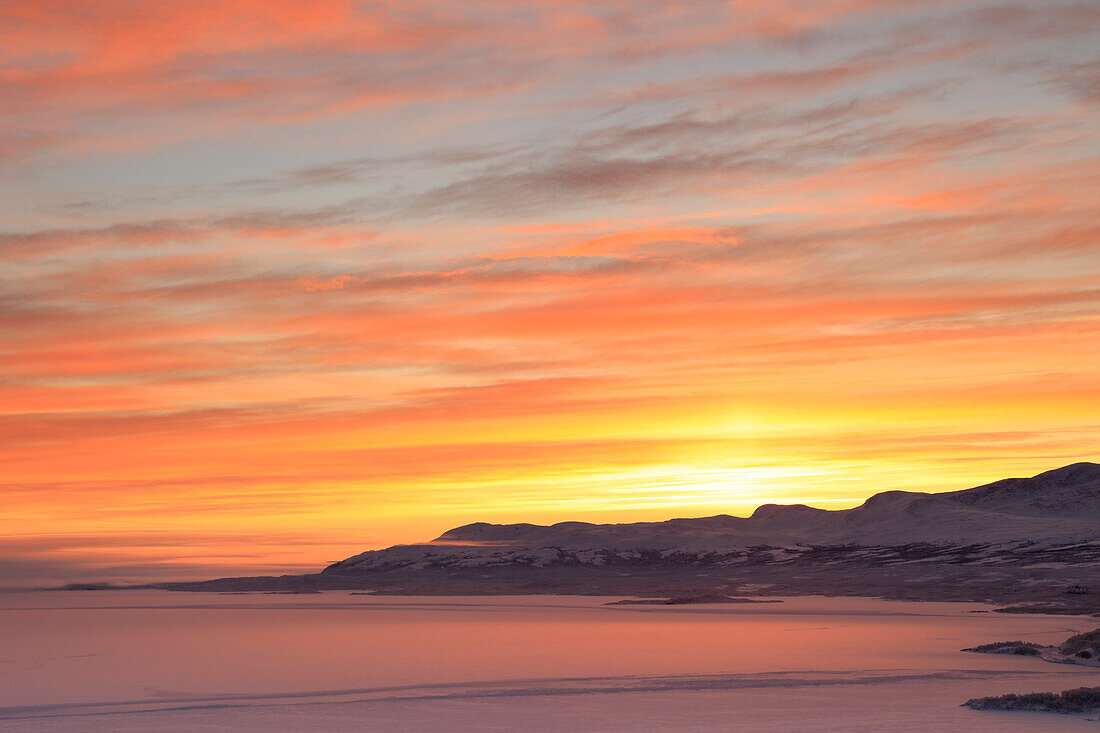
(376, 269)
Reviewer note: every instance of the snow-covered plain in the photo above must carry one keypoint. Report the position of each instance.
(156, 661)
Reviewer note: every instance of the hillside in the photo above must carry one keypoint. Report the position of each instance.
(1014, 540)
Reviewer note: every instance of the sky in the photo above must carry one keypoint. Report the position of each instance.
(284, 281)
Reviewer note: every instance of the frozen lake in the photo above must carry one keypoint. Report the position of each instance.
(152, 660)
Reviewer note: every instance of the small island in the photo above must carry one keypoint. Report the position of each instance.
(1079, 649)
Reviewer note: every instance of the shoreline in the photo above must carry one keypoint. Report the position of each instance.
(1041, 607)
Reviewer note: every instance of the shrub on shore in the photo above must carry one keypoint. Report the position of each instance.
(1077, 700)
(1007, 647)
(1081, 642)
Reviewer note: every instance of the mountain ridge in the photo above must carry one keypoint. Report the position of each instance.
(1061, 504)
(1024, 540)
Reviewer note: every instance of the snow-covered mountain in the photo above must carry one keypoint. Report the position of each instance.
(1030, 540)
(1056, 507)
